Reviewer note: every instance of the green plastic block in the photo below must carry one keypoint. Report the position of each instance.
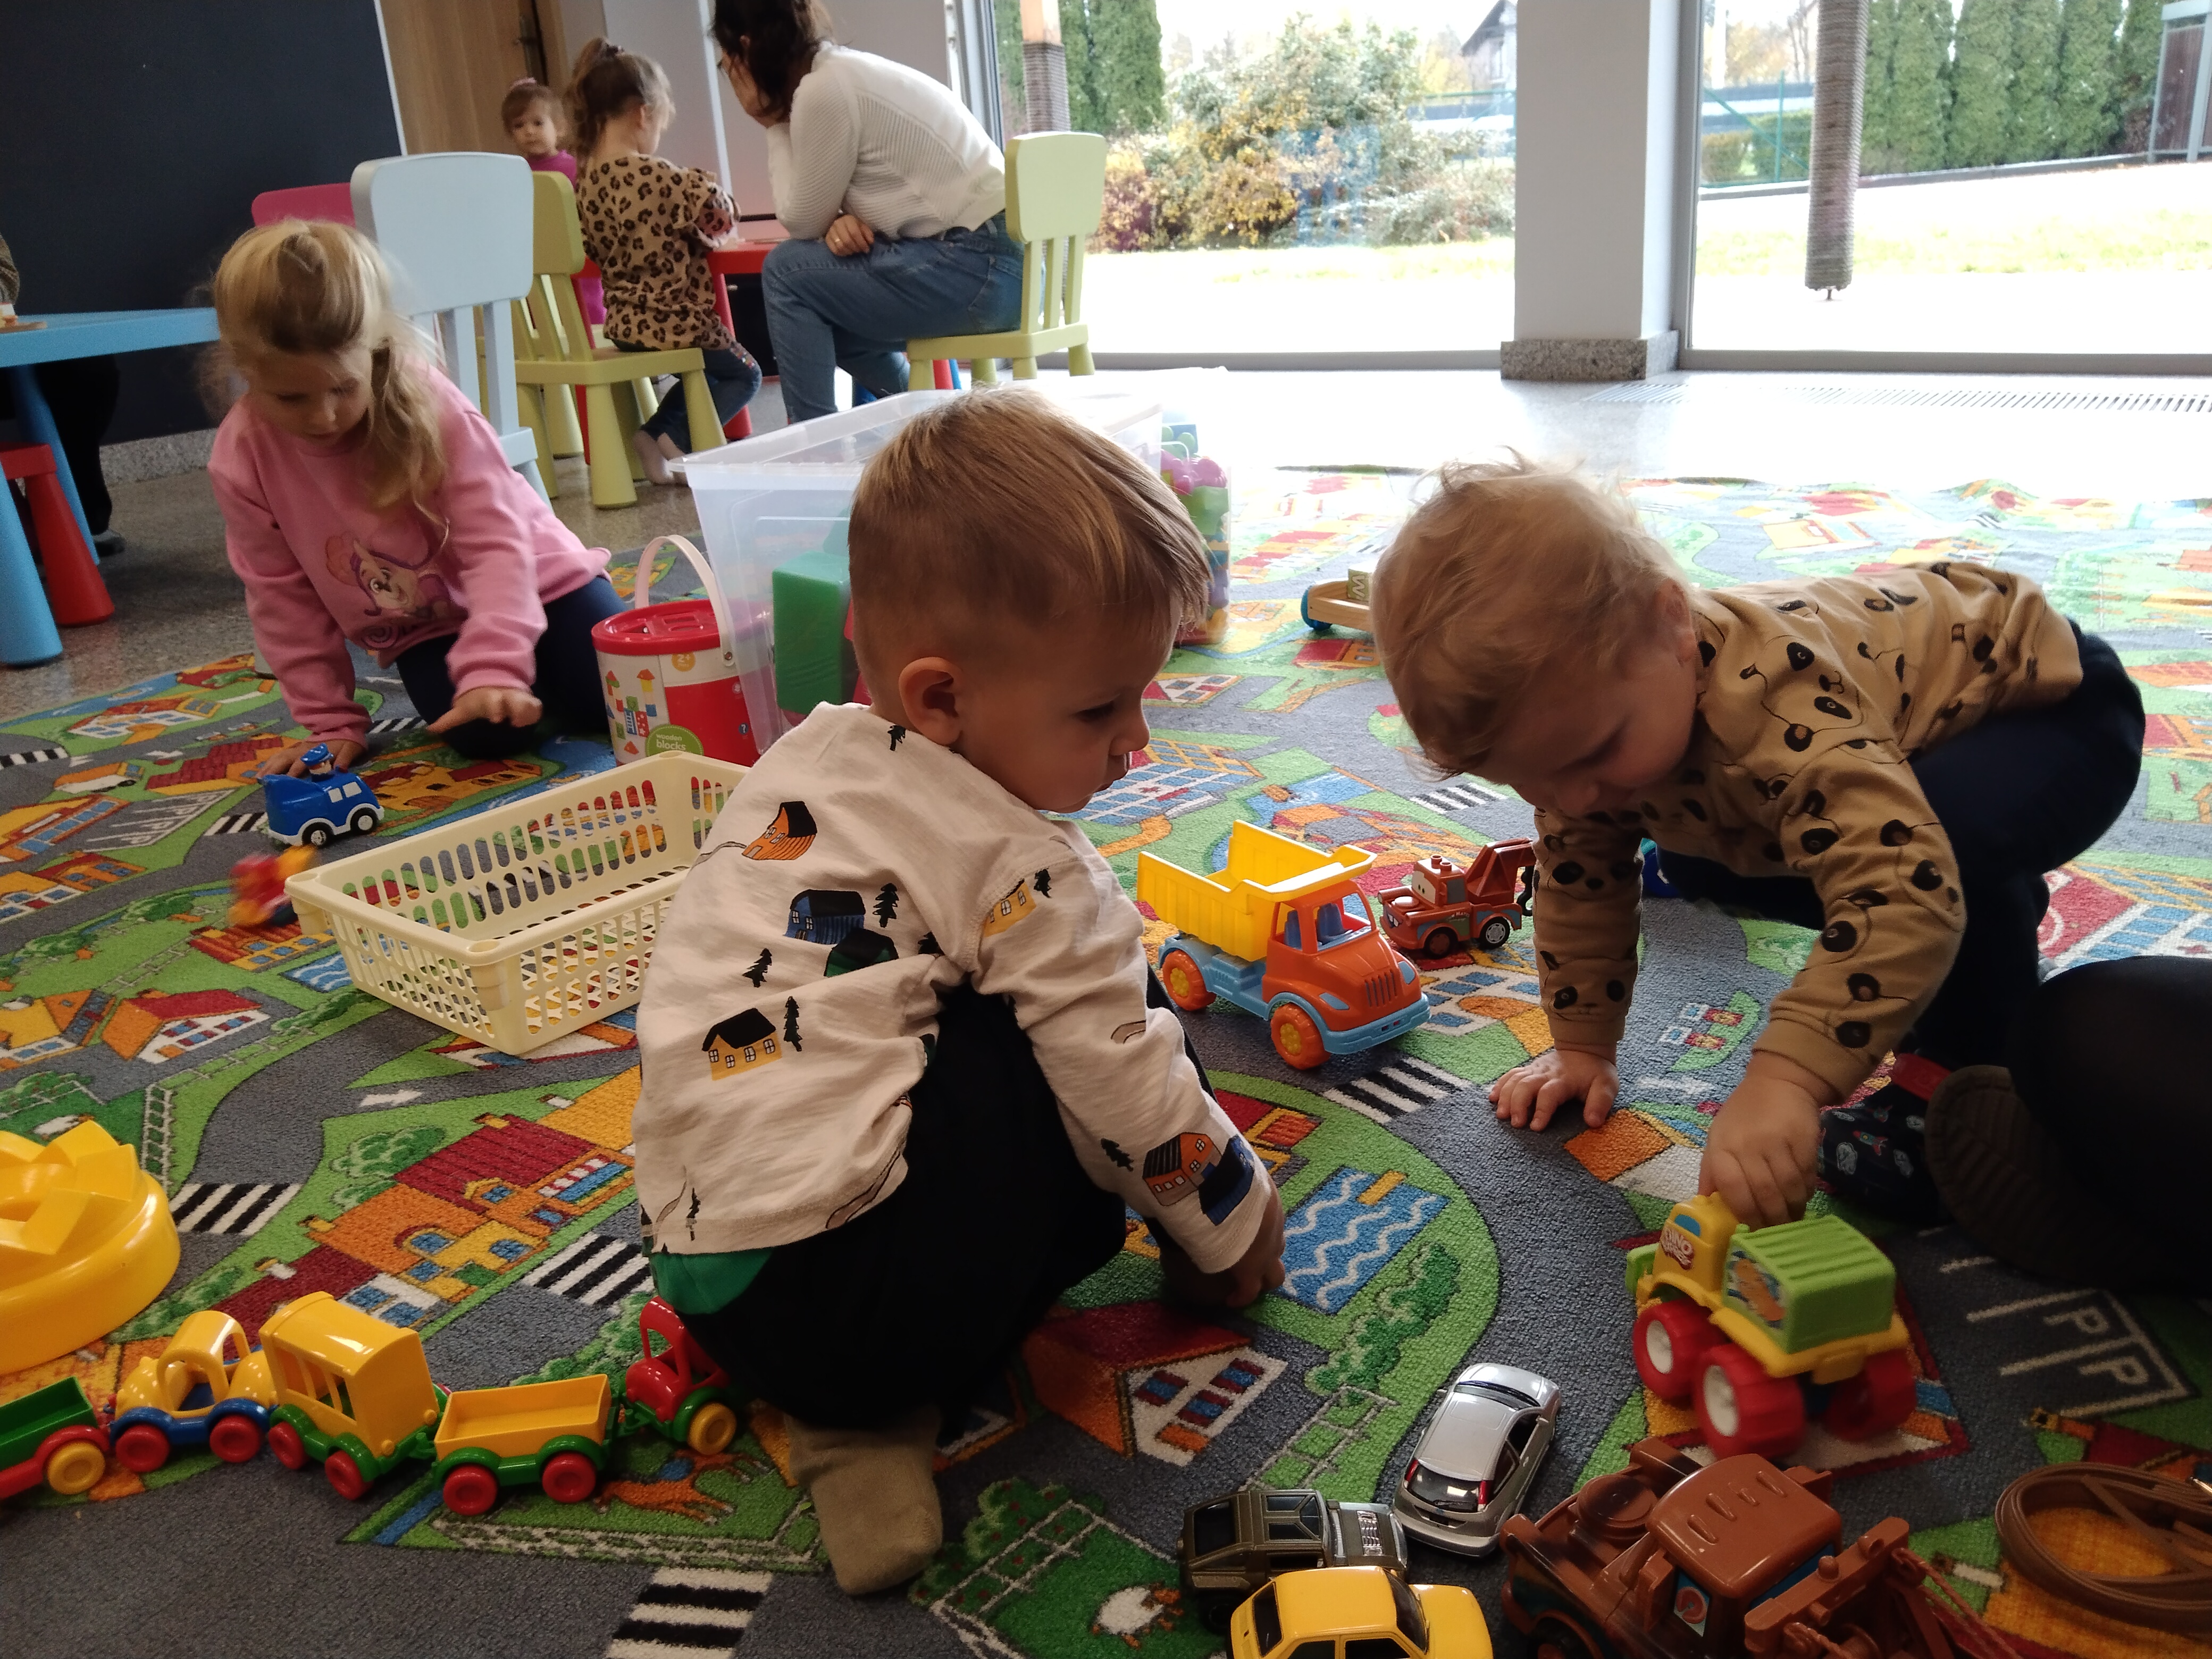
(1639, 1263)
(813, 658)
(1809, 1282)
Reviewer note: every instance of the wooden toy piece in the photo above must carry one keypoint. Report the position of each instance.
(1738, 1322)
(1446, 906)
(1366, 1609)
(207, 1387)
(1284, 932)
(1232, 1546)
(10, 320)
(1339, 604)
(52, 1437)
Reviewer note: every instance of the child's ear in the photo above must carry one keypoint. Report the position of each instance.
(929, 691)
(1675, 615)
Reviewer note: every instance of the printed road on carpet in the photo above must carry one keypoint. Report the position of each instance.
(313, 1138)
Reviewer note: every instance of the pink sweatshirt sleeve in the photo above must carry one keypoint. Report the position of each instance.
(297, 634)
(489, 511)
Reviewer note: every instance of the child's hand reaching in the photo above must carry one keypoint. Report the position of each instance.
(1259, 1271)
(286, 760)
(1527, 1096)
(1761, 1153)
(502, 705)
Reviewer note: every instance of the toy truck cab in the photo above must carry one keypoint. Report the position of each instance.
(1444, 907)
(1759, 1329)
(352, 1392)
(677, 1386)
(1284, 933)
(329, 802)
(207, 1387)
(52, 1435)
(1357, 1613)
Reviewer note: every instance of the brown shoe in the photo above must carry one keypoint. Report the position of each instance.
(2009, 1185)
(875, 1496)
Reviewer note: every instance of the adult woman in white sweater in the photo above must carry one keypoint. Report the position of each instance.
(894, 195)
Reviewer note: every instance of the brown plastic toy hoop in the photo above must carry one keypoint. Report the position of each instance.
(2173, 1518)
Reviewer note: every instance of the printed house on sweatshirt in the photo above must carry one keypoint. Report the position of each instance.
(741, 1042)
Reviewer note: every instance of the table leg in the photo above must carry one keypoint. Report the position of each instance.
(28, 635)
(38, 423)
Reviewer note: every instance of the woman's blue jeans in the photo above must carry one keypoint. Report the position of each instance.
(856, 311)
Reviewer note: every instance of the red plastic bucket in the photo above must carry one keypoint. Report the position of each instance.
(669, 673)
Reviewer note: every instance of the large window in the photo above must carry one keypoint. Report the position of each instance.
(1283, 177)
(2004, 203)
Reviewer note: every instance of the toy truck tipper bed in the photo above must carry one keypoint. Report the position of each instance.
(1284, 932)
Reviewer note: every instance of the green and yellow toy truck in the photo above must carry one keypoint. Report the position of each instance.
(1761, 1330)
(52, 1437)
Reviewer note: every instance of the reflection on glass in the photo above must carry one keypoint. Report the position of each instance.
(1283, 177)
(2003, 204)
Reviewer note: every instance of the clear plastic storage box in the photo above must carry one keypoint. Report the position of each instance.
(782, 499)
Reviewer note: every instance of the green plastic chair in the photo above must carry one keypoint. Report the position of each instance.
(1055, 192)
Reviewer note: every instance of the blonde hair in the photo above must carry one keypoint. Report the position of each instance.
(606, 83)
(313, 289)
(996, 505)
(1507, 569)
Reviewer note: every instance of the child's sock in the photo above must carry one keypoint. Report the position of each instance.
(875, 1495)
(1876, 1153)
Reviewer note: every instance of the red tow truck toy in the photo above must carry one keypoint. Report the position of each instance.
(1446, 906)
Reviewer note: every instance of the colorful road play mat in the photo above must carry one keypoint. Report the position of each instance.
(314, 1139)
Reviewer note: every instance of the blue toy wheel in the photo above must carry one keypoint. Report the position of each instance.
(1306, 616)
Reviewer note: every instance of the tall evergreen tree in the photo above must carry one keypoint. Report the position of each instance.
(1013, 102)
(1981, 84)
(1920, 85)
(1881, 56)
(2135, 72)
(2088, 120)
(1125, 41)
(1085, 110)
(2031, 125)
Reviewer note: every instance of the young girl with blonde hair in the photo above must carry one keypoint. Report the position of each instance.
(365, 500)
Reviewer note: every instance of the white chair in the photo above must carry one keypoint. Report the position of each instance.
(457, 231)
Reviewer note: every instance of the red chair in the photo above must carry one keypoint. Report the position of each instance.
(71, 575)
(305, 202)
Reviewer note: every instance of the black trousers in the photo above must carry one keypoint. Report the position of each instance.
(2114, 1059)
(81, 393)
(568, 681)
(921, 1300)
(2018, 795)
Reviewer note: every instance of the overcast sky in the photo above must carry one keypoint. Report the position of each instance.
(1206, 20)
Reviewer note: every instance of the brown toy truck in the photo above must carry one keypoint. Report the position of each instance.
(1445, 907)
(1667, 1559)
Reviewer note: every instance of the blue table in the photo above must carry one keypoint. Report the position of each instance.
(27, 625)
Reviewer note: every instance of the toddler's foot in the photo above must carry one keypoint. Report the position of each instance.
(650, 457)
(875, 1495)
(2010, 1185)
(1875, 1153)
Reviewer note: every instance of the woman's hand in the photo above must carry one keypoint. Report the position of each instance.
(286, 762)
(502, 705)
(1527, 1096)
(847, 236)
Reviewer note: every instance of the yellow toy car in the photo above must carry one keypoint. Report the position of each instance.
(1357, 1613)
(206, 1389)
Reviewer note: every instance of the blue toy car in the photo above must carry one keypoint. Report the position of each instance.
(329, 802)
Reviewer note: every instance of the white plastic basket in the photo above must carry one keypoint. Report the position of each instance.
(530, 920)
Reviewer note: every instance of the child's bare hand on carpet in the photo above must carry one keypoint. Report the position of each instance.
(503, 705)
(1762, 1151)
(1527, 1096)
(1259, 1271)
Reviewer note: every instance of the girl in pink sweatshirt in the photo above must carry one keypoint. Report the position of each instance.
(365, 499)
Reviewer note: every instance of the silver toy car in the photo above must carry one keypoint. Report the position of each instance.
(1486, 1439)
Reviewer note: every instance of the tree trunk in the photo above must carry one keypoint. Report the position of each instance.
(1839, 87)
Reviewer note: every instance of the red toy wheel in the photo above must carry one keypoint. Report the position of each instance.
(1880, 1397)
(345, 1476)
(1295, 1037)
(141, 1448)
(1742, 1409)
(1186, 986)
(235, 1438)
(1672, 1340)
(470, 1489)
(1441, 942)
(291, 1450)
(569, 1477)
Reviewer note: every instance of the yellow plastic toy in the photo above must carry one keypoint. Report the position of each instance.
(206, 1389)
(86, 1241)
(1373, 1611)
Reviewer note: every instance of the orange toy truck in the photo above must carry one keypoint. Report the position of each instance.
(1446, 906)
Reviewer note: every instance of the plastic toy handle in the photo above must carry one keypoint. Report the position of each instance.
(641, 587)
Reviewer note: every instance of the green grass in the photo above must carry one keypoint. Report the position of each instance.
(1449, 261)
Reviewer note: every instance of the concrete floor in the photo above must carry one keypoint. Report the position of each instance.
(177, 602)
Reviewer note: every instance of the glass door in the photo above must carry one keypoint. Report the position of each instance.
(2026, 181)
(1283, 177)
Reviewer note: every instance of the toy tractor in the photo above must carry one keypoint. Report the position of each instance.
(1761, 1330)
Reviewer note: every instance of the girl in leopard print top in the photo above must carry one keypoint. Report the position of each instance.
(647, 223)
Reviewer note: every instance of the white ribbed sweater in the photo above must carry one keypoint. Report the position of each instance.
(885, 144)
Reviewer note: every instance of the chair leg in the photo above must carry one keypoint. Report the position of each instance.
(920, 375)
(699, 404)
(533, 405)
(1025, 369)
(984, 371)
(564, 411)
(73, 585)
(740, 425)
(28, 635)
(631, 417)
(610, 458)
(583, 433)
(648, 400)
(1078, 360)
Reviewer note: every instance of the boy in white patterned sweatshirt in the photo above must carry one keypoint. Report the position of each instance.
(904, 1063)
